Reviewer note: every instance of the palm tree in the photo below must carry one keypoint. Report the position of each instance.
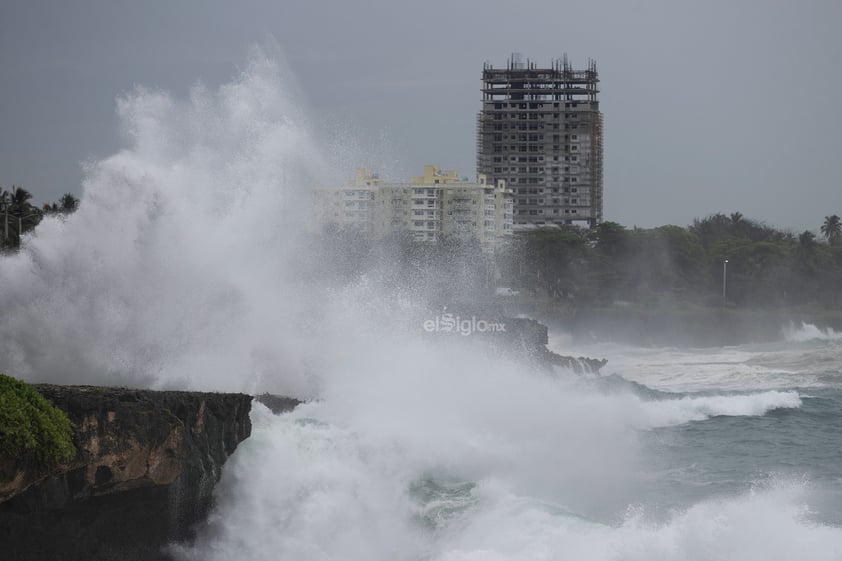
(832, 229)
(25, 216)
(20, 196)
(738, 224)
(806, 239)
(68, 202)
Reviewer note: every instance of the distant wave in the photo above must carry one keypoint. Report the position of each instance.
(767, 524)
(809, 332)
(671, 412)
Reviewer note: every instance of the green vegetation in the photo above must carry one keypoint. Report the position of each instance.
(667, 267)
(32, 427)
(766, 267)
(18, 216)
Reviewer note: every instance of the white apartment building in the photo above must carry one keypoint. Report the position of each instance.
(436, 205)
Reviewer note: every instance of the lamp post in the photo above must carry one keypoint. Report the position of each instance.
(20, 224)
(4, 200)
(724, 281)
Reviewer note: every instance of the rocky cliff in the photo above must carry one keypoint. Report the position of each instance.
(143, 475)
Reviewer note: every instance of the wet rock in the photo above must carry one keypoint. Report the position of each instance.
(143, 475)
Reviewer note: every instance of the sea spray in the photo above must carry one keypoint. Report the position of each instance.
(183, 267)
(175, 269)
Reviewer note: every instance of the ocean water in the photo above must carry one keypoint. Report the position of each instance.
(184, 267)
(699, 454)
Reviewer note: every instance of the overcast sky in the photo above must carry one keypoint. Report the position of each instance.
(709, 105)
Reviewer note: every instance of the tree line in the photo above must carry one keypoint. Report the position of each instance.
(18, 215)
(606, 265)
(719, 259)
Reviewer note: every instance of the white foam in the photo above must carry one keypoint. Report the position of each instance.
(669, 412)
(810, 332)
(768, 525)
(175, 270)
(300, 489)
(743, 368)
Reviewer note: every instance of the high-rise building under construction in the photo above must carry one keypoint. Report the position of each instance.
(540, 129)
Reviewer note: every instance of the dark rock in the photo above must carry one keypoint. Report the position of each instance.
(143, 475)
(527, 339)
(276, 403)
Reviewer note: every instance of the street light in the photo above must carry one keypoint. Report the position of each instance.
(20, 223)
(724, 281)
(4, 201)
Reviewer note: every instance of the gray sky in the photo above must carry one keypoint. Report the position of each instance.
(709, 105)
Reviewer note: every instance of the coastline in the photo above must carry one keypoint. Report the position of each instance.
(680, 325)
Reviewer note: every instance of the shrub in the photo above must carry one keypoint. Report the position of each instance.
(31, 427)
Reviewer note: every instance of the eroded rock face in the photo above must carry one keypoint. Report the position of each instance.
(144, 473)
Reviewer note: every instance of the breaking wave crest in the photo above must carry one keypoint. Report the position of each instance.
(176, 269)
(810, 332)
(305, 489)
(668, 412)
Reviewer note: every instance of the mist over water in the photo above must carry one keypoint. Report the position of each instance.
(188, 265)
(175, 271)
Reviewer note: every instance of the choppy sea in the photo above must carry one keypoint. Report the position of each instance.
(670, 454)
